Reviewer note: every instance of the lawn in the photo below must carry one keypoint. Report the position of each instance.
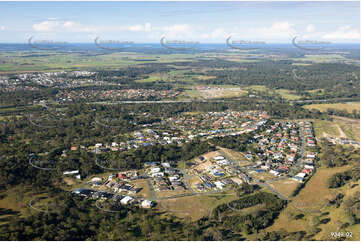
(323, 126)
(351, 127)
(15, 202)
(321, 58)
(145, 192)
(195, 206)
(170, 193)
(338, 214)
(310, 202)
(349, 106)
(287, 94)
(235, 155)
(285, 187)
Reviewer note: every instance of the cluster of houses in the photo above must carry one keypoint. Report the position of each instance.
(117, 183)
(310, 156)
(119, 199)
(191, 127)
(343, 141)
(279, 145)
(308, 134)
(123, 94)
(115, 187)
(60, 79)
(212, 123)
(12, 85)
(165, 177)
(218, 174)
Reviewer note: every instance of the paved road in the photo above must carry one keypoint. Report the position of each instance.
(170, 101)
(154, 196)
(186, 181)
(323, 100)
(302, 151)
(266, 185)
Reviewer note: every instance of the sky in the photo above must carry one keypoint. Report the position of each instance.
(204, 22)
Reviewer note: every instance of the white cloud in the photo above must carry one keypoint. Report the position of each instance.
(218, 33)
(275, 31)
(181, 31)
(57, 25)
(278, 29)
(2, 27)
(310, 28)
(178, 29)
(343, 33)
(70, 26)
(139, 27)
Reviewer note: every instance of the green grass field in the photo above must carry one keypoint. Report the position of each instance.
(349, 106)
(287, 94)
(310, 206)
(321, 58)
(196, 206)
(323, 126)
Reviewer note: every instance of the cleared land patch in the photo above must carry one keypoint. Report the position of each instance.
(310, 202)
(324, 126)
(349, 106)
(195, 206)
(285, 187)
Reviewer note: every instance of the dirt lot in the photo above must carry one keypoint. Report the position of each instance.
(262, 175)
(235, 155)
(170, 193)
(210, 155)
(285, 187)
(194, 207)
(193, 180)
(145, 192)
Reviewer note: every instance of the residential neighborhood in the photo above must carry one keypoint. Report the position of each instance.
(281, 150)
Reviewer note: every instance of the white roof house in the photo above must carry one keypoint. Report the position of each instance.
(126, 200)
(158, 174)
(309, 167)
(71, 172)
(96, 179)
(290, 158)
(276, 173)
(297, 178)
(302, 175)
(218, 158)
(173, 178)
(155, 170)
(219, 184)
(166, 164)
(222, 162)
(147, 204)
(311, 155)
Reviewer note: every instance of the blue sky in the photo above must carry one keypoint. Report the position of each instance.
(207, 22)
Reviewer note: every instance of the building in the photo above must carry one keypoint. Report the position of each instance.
(126, 200)
(147, 204)
(219, 185)
(155, 170)
(218, 158)
(74, 172)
